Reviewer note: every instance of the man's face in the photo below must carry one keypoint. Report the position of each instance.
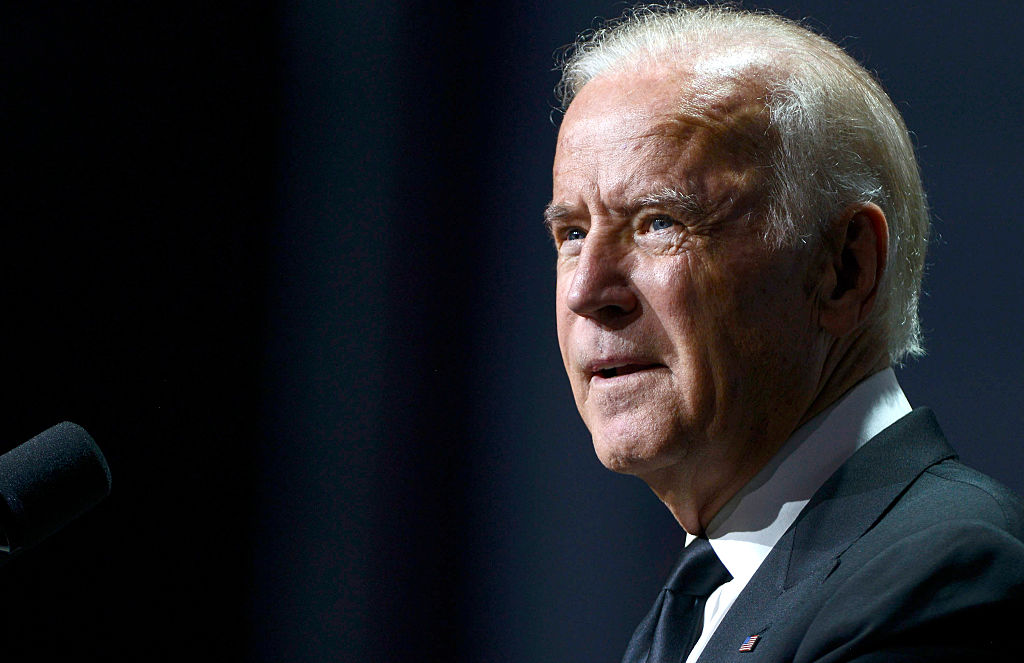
(686, 338)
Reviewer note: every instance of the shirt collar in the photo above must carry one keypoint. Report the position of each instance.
(752, 522)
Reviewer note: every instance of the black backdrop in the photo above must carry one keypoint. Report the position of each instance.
(285, 263)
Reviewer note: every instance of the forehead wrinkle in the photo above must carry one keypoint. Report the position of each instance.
(706, 133)
(699, 177)
(704, 164)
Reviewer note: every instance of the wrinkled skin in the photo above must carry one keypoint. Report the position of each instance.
(693, 348)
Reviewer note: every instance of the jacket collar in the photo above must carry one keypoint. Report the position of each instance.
(861, 491)
(847, 506)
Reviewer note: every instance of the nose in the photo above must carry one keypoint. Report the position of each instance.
(601, 288)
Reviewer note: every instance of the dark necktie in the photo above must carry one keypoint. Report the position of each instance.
(673, 626)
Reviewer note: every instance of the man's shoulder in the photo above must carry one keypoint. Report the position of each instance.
(943, 567)
(950, 514)
(905, 551)
(930, 486)
(953, 494)
(960, 492)
(944, 524)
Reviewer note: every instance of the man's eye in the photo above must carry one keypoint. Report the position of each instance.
(662, 223)
(574, 233)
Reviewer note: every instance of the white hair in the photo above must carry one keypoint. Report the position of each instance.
(838, 138)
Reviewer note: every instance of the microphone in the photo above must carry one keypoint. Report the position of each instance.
(47, 482)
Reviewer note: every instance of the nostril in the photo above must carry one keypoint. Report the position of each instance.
(612, 311)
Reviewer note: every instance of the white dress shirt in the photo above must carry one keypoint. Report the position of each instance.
(752, 522)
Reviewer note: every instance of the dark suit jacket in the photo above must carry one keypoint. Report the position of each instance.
(904, 554)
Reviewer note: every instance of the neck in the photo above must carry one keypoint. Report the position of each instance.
(696, 488)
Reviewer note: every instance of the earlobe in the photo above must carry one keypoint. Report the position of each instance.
(857, 251)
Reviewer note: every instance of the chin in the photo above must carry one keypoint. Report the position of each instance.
(631, 456)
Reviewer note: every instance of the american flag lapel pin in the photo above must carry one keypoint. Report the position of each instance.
(749, 643)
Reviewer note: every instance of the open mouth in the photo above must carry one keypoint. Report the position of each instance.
(624, 370)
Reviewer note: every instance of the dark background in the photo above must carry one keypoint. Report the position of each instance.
(285, 262)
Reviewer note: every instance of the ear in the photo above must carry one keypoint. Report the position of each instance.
(857, 247)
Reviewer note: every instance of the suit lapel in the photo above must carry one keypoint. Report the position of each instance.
(853, 499)
(861, 491)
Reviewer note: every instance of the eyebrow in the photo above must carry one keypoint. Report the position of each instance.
(554, 213)
(667, 197)
(670, 198)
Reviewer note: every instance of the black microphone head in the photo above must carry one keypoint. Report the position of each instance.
(49, 481)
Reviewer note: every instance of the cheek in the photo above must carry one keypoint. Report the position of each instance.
(564, 321)
(770, 318)
(562, 317)
(718, 314)
(681, 299)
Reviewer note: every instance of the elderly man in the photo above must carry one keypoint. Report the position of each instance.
(741, 230)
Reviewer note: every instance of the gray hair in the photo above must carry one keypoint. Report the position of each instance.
(839, 140)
